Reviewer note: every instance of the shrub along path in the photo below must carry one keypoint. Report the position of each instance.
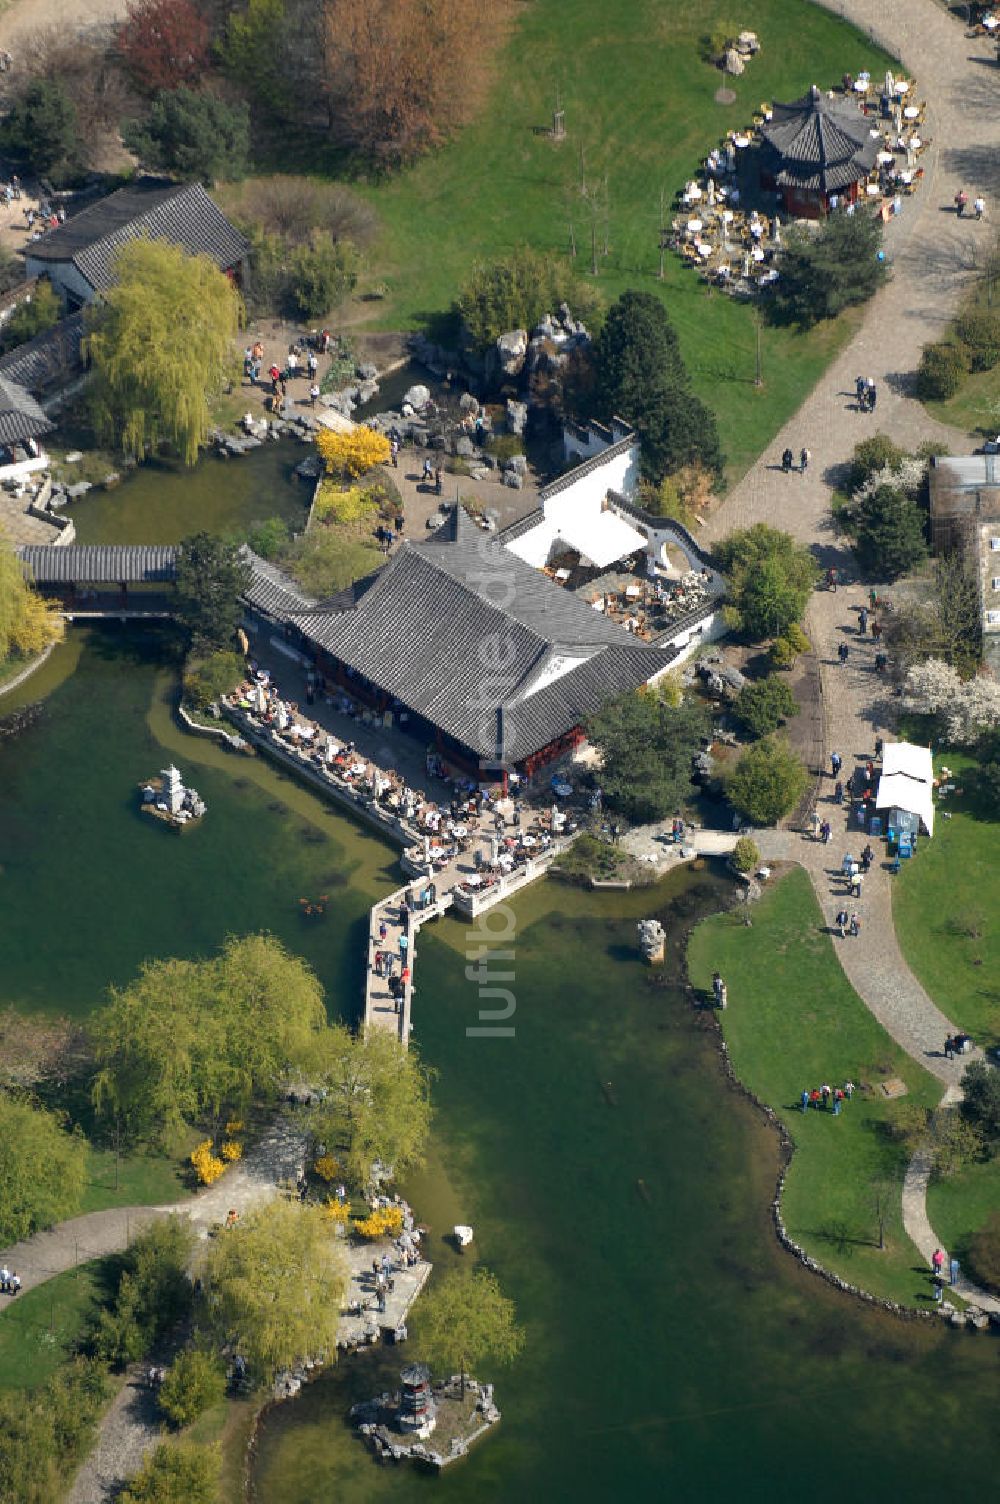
(933, 256)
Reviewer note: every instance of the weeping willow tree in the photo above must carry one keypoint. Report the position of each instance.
(27, 622)
(162, 344)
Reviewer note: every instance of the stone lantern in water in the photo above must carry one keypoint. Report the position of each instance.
(416, 1402)
(173, 789)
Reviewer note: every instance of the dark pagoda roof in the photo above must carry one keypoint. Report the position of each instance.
(464, 633)
(819, 143)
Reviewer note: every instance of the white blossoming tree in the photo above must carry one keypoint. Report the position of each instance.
(963, 708)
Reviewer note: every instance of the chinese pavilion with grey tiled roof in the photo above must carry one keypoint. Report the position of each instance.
(79, 256)
(816, 149)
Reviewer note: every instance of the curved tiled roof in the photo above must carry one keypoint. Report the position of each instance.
(181, 213)
(818, 142)
(100, 564)
(466, 634)
(20, 415)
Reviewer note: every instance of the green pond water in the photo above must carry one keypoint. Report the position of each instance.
(163, 502)
(616, 1184)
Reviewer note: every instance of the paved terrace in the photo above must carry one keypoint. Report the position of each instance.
(456, 852)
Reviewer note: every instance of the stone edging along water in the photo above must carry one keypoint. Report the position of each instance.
(787, 1150)
(27, 671)
(787, 1146)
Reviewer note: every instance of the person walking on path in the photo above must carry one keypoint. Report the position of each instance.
(842, 923)
(961, 199)
(980, 207)
(949, 1048)
(804, 1099)
(787, 460)
(836, 763)
(872, 394)
(863, 620)
(804, 459)
(855, 925)
(842, 652)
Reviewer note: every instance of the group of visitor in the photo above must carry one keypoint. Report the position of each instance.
(10, 1282)
(957, 1044)
(827, 1098)
(866, 392)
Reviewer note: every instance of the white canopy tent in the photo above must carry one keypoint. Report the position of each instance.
(907, 782)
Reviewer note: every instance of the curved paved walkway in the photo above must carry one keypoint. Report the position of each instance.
(933, 256)
(918, 1228)
(278, 1155)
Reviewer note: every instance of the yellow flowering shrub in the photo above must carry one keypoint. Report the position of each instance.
(338, 1212)
(352, 453)
(385, 1222)
(326, 1166)
(208, 1167)
(235, 1125)
(232, 1151)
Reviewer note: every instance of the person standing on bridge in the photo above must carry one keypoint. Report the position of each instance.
(804, 459)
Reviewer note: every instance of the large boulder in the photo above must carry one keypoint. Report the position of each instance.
(513, 479)
(465, 447)
(366, 371)
(733, 63)
(417, 397)
(517, 416)
(512, 350)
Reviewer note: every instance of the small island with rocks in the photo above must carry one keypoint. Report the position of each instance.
(456, 1411)
(166, 798)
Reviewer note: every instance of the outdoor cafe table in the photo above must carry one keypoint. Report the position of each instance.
(861, 85)
(741, 141)
(694, 225)
(902, 87)
(704, 250)
(885, 157)
(911, 112)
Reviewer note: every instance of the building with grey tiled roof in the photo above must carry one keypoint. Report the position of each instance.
(21, 418)
(483, 653)
(79, 256)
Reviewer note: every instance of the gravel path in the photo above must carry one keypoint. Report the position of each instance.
(23, 17)
(933, 256)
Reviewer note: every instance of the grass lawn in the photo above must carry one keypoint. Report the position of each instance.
(143, 1180)
(14, 665)
(639, 103)
(946, 908)
(959, 1205)
(794, 1022)
(973, 407)
(42, 1328)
